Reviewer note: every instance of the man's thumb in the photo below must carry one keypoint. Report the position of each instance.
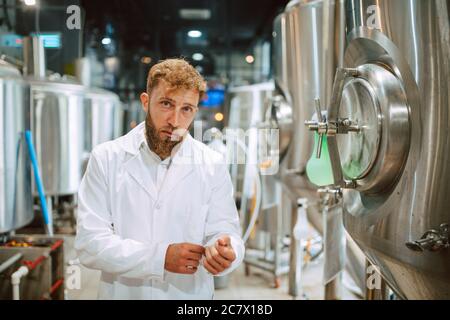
(224, 241)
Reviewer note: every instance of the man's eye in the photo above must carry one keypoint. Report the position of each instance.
(187, 109)
(165, 103)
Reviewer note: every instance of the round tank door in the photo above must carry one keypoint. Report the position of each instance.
(368, 133)
(374, 103)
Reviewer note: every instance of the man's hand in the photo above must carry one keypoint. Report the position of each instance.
(183, 257)
(219, 256)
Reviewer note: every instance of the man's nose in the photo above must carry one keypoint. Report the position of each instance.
(174, 119)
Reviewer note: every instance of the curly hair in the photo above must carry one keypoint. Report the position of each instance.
(178, 73)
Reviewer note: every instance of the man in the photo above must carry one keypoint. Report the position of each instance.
(156, 213)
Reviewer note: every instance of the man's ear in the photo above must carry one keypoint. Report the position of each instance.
(145, 101)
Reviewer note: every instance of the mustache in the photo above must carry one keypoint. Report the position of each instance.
(176, 133)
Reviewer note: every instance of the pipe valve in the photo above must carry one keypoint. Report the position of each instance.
(432, 240)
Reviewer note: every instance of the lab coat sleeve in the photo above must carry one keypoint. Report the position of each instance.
(223, 218)
(97, 245)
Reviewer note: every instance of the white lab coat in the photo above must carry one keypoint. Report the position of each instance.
(125, 225)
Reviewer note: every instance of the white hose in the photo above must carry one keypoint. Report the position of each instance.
(255, 212)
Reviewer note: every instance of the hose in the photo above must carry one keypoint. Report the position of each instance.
(39, 184)
(258, 201)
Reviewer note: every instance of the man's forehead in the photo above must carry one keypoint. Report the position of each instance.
(168, 91)
(166, 88)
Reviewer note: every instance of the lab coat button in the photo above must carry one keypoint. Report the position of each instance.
(158, 206)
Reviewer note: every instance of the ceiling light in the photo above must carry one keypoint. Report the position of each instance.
(146, 60)
(106, 41)
(30, 2)
(194, 34)
(250, 59)
(197, 56)
(218, 116)
(195, 14)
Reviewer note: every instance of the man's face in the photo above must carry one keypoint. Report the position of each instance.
(170, 113)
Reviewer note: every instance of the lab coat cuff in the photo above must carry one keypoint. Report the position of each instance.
(159, 260)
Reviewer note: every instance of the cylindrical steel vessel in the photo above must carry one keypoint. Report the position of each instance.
(15, 171)
(59, 133)
(279, 113)
(101, 116)
(396, 168)
(103, 119)
(314, 48)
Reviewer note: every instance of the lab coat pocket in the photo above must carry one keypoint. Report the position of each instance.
(196, 224)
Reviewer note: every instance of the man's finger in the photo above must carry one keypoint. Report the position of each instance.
(209, 267)
(195, 248)
(189, 262)
(189, 269)
(224, 241)
(226, 252)
(193, 255)
(219, 258)
(211, 260)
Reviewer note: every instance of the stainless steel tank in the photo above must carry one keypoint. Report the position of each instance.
(388, 135)
(279, 113)
(309, 39)
(314, 50)
(102, 118)
(59, 133)
(68, 121)
(15, 170)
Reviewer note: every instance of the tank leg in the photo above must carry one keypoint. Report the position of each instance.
(247, 270)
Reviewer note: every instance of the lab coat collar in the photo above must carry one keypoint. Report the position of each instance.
(181, 162)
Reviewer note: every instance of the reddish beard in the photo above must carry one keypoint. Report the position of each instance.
(161, 146)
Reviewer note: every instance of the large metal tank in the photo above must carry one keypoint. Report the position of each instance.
(59, 133)
(388, 126)
(313, 51)
(68, 121)
(103, 116)
(279, 113)
(309, 39)
(15, 171)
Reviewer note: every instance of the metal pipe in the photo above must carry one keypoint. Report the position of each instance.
(48, 295)
(30, 265)
(34, 56)
(8, 263)
(33, 264)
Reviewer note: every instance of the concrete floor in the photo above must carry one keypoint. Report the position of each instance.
(257, 286)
